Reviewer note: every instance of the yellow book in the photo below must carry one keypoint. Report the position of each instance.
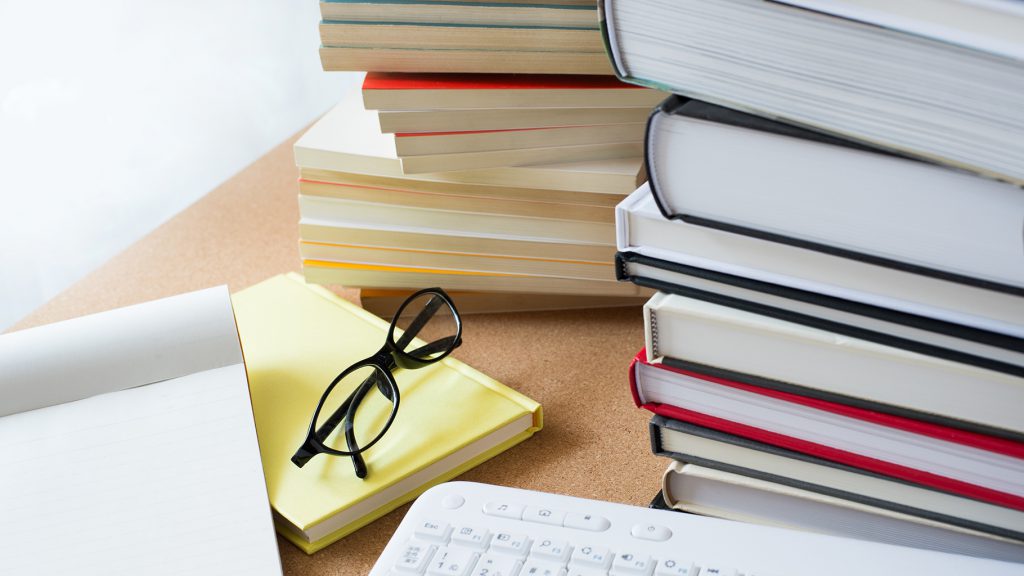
(296, 338)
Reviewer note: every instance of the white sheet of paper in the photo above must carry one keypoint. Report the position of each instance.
(158, 477)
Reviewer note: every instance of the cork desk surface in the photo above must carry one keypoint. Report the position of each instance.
(594, 443)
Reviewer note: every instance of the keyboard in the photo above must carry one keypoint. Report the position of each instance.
(470, 529)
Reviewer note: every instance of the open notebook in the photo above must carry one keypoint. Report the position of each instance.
(128, 446)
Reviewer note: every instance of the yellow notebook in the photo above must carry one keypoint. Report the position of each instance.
(296, 338)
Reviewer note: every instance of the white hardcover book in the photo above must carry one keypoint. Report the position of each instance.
(703, 333)
(643, 230)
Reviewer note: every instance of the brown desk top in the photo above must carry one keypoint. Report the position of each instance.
(594, 444)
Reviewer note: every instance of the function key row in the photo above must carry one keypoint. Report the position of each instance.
(578, 521)
(575, 520)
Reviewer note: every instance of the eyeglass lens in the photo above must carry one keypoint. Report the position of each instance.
(430, 318)
(357, 397)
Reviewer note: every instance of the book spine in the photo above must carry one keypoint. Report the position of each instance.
(652, 332)
(668, 106)
(634, 390)
(605, 25)
(605, 11)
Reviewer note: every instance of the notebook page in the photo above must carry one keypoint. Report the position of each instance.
(118, 349)
(158, 479)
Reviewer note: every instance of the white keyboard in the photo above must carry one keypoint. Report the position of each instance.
(469, 529)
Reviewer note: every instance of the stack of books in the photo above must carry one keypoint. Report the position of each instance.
(541, 36)
(833, 222)
(544, 229)
(487, 182)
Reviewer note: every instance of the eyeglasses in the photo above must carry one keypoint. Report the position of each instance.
(352, 392)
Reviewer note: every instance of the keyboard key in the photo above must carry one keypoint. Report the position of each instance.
(496, 565)
(592, 557)
(433, 531)
(551, 549)
(718, 571)
(511, 543)
(452, 562)
(504, 510)
(632, 563)
(543, 516)
(675, 567)
(452, 501)
(586, 522)
(586, 571)
(414, 557)
(472, 536)
(540, 568)
(655, 532)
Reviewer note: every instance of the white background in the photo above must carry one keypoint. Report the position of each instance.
(116, 115)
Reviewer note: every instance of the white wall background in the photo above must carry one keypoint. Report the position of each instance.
(115, 115)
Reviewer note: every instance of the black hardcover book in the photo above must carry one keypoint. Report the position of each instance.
(956, 342)
(892, 192)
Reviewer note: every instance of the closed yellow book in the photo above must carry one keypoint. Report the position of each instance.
(296, 338)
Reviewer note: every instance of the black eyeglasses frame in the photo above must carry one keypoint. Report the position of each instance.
(390, 357)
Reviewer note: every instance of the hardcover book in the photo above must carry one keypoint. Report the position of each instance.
(904, 92)
(971, 464)
(817, 361)
(712, 492)
(718, 167)
(642, 230)
(689, 443)
(296, 338)
(885, 326)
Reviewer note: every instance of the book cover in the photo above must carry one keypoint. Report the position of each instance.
(296, 338)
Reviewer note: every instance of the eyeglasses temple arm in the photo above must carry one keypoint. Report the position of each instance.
(437, 346)
(350, 415)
